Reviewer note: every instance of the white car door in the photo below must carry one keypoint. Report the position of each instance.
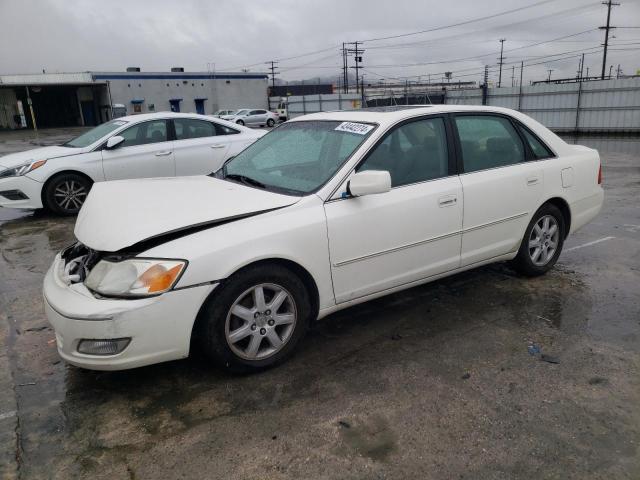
(199, 147)
(501, 189)
(412, 232)
(257, 117)
(146, 152)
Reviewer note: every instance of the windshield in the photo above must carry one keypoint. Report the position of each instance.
(297, 157)
(95, 134)
(241, 112)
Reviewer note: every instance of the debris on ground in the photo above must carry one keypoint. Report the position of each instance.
(549, 358)
(533, 349)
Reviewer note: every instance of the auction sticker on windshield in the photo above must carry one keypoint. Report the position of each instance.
(351, 127)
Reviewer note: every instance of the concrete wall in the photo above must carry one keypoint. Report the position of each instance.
(596, 106)
(225, 91)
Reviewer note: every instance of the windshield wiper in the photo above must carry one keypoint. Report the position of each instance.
(246, 180)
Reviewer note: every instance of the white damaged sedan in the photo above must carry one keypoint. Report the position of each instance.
(324, 212)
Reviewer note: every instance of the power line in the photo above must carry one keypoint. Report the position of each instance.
(528, 21)
(466, 22)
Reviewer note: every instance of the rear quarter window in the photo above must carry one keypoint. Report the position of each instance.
(539, 149)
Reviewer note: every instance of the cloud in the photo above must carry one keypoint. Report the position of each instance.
(80, 35)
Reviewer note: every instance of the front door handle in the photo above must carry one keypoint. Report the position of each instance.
(163, 154)
(447, 201)
(533, 180)
(218, 145)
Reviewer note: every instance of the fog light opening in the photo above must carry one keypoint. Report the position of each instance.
(103, 346)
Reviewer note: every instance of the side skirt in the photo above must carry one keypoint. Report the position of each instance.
(328, 311)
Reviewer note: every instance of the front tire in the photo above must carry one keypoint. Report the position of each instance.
(255, 320)
(65, 194)
(542, 242)
(240, 122)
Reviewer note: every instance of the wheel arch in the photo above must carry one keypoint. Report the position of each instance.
(564, 208)
(301, 272)
(58, 174)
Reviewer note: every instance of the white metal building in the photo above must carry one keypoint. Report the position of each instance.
(89, 98)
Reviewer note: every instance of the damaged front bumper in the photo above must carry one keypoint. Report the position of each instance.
(159, 328)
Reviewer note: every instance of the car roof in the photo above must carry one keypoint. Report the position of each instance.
(391, 115)
(141, 117)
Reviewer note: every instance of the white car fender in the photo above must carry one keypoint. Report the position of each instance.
(296, 233)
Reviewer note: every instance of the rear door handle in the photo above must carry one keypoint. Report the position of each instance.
(447, 201)
(218, 145)
(163, 154)
(533, 180)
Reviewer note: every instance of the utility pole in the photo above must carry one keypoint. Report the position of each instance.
(550, 70)
(513, 75)
(520, 90)
(501, 61)
(579, 71)
(618, 71)
(582, 67)
(610, 68)
(357, 57)
(606, 29)
(345, 74)
(273, 67)
(485, 86)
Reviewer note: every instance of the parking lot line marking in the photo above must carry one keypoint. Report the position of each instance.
(588, 244)
(10, 414)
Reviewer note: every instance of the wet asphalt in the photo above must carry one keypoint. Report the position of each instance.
(481, 375)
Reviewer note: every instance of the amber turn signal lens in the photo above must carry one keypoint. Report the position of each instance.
(37, 164)
(158, 278)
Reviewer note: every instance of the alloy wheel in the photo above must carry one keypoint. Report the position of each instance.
(70, 195)
(543, 240)
(261, 321)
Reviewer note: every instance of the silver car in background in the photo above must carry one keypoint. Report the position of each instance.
(253, 117)
(224, 113)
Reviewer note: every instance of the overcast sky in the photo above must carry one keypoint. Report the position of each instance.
(80, 35)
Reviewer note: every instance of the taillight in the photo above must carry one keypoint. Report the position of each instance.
(600, 175)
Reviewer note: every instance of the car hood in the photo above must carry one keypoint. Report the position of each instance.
(44, 153)
(119, 214)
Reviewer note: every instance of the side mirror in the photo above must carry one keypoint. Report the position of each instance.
(114, 141)
(369, 182)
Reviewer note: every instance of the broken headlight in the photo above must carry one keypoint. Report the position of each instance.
(135, 277)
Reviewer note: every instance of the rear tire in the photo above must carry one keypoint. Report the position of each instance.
(542, 242)
(65, 194)
(270, 123)
(245, 331)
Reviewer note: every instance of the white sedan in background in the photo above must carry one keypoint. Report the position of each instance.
(327, 211)
(253, 117)
(151, 145)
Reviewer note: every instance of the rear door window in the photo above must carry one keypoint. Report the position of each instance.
(488, 141)
(187, 128)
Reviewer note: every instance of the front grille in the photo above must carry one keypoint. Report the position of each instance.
(78, 261)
